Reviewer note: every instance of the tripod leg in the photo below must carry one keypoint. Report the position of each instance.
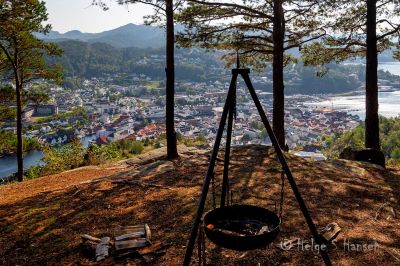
(286, 168)
(227, 151)
(210, 171)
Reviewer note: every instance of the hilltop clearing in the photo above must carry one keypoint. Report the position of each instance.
(42, 219)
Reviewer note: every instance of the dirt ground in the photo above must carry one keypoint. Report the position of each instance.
(41, 220)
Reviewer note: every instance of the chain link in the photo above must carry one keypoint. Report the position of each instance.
(201, 247)
(213, 191)
(282, 195)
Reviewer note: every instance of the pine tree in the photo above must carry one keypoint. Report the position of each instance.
(163, 11)
(262, 30)
(22, 54)
(361, 29)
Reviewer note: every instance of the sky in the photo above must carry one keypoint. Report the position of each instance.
(66, 15)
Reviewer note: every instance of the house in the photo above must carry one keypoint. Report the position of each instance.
(313, 155)
(102, 140)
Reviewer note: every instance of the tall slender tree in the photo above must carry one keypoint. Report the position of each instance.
(263, 31)
(22, 54)
(361, 29)
(163, 12)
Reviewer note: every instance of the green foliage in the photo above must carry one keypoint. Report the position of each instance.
(7, 113)
(257, 125)
(37, 96)
(86, 60)
(97, 155)
(74, 155)
(396, 54)
(61, 159)
(199, 141)
(249, 26)
(34, 172)
(21, 52)
(337, 79)
(390, 140)
(348, 32)
(7, 94)
(131, 146)
(8, 143)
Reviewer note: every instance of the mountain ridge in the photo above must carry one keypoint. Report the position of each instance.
(143, 36)
(129, 35)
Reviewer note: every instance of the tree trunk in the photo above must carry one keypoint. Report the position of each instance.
(170, 84)
(278, 115)
(371, 82)
(20, 173)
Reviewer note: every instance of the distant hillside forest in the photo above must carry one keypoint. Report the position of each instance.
(87, 60)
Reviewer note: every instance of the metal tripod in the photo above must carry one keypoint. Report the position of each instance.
(228, 111)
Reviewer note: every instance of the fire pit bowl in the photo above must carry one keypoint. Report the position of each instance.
(241, 227)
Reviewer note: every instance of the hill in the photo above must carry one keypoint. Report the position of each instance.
(42, 219)
(88, 60)
(130, 35)
(144, 36)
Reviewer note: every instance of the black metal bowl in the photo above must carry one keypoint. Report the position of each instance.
(244, 213)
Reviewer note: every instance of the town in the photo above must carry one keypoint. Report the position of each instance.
(101, 112)
(112, 107)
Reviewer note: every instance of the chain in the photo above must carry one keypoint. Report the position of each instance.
(213, 191)
(234, 108)
(204, 246)
(201, 247)
(282, 195)
(229, 193)
(228, 198)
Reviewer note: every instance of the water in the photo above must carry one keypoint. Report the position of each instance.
(389, 104)
(392, 67)
(8, 164)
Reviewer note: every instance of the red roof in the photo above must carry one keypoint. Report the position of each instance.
(102, 140)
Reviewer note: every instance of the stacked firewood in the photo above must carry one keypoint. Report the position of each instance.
(128, 242)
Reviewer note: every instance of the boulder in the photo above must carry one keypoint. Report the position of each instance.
(365, 155)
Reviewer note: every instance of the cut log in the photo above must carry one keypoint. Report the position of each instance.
(148, 232)
(90, 238)
(130, 235)
(330, 232)
(154, 248)
(102, 248)
(228, 232)
(134, 243)
(131, 229)
(132, 232)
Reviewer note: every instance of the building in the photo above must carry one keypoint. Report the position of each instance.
(46, 110)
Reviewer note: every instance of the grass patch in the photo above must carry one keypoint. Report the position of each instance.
(84, 214)
(155, 84)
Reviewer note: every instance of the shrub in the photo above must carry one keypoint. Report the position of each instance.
(65, 158)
